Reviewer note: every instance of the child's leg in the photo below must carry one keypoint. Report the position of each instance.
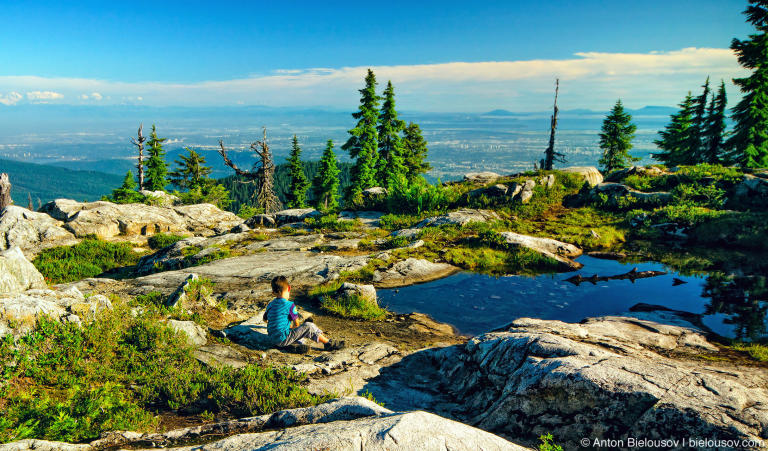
(306, 330)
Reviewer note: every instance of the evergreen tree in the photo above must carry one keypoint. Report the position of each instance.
(127, 192)
(157, 168)
(190, 172)
(297, 195)
(391, 168)
(363, 141)
(616, 139)
(714, 131)
(326, 183)
(414, 152)
(698, 125)
(749, 140)
(675, 138)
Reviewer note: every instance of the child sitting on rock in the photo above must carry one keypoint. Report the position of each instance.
(283, 322)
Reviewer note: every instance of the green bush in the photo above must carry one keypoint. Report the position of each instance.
(88, 258)
(397, 221)
(209, 193)
(68, 382)
(247, 211)
(163, 240)
(420, 196)
(331, 223)
(547, 443)
(353, 306)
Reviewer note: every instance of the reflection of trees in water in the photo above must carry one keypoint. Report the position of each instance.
(743, 298)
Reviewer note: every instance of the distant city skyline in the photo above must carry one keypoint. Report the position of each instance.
(441, 56)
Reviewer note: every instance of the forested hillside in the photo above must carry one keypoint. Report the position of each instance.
(45, 183)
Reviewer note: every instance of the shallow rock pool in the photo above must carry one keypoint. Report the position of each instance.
(476, 303)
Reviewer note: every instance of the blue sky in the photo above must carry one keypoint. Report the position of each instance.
(231, 53)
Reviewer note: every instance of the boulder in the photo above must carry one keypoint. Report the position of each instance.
(180, 296)
(557, 250)
(459, 217)
(410, 271)
(398, 431)
(614, 191)
(261, 220)
(365, 292)
(548, 181)
(295, 215)
(481, 177)
(193, 332)
(752, 191)
(514, 189)
(526, 193)
(368, 218)
(17, 274)
(107, 220)
(18, 312)
(590, 173)
(620, 174)
(609, 377)
(160, 197)
(499, 190)
(31, 231)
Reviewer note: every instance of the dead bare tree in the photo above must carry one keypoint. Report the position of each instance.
(139, 143)
(550, 156)
(5, 191)
(30, 205)
(263, 174)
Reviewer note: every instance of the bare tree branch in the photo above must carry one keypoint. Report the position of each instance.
(139, 143)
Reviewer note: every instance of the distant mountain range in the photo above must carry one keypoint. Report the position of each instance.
(644, 111)
(50, 182)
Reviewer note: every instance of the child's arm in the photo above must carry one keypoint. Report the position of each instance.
(293, 316)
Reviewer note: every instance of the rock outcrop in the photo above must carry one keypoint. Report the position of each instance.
(108, 220)
(459, 217)
(590, 174)
(481, 177)
(752, 191)
(609, 377)
(31, 231)
(615, 191)
(351, 423)
(620, 174)
(556, 250)
(17, 274)
(410, 271)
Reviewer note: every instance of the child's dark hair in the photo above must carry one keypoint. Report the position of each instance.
(280, 284)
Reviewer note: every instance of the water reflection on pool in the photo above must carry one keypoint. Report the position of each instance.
(477, 303)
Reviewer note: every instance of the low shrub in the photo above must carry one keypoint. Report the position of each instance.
(63, 381)
(163, 240)
(352, 306)
(88, 258)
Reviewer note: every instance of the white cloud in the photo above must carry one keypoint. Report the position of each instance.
(588, 80)
(11, 98)
(83, 96)
(43, 96)
(96, 96)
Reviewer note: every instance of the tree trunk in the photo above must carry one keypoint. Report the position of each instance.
(5, 191)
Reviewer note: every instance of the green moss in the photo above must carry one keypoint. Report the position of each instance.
(757, 351)
(88, 258)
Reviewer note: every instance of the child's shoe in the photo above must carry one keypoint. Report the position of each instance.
(335, 345)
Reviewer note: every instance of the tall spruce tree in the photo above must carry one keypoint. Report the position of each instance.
(191, 171)
(695, 145)
(391, 167)
(749, 140)
(675, 139)
(157, 168)
(414, 152)
(714, 132)
(616, 139)
(296, 197)
(326, 184)
(362, 144)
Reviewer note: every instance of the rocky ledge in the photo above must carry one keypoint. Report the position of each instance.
(344, 424)
(608, 377)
